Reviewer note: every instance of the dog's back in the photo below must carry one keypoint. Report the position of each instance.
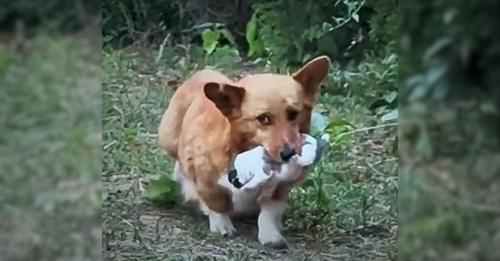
(171, 123)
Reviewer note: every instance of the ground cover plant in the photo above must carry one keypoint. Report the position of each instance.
(50, 148)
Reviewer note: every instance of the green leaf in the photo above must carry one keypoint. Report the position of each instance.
(210, 40)
(229, 36)
(390, 96)
(381, 109)
(251, 29)
(339, 123)
(162, 189)
(355, 16)
(226, 54)
(390, 116)
(256, 46)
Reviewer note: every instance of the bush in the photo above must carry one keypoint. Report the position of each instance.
(66, 15)
(449, 143)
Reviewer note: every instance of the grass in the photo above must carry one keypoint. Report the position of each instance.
(345, 211)
(449, 188)
(49, 150)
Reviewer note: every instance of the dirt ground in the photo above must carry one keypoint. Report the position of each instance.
(135, 229)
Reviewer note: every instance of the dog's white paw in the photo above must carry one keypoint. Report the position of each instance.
(221, 224)
(270, 225)
(272, 239)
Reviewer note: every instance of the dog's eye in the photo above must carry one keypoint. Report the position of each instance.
(264, 119)
(292, 115)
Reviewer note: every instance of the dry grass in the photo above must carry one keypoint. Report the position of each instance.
(49, 150)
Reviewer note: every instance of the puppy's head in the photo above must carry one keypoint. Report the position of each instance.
(270, 109)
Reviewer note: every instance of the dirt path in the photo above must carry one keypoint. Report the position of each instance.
(134, 229)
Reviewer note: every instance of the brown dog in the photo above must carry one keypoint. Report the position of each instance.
(211, 118)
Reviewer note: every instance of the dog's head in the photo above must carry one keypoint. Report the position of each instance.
(271, 109)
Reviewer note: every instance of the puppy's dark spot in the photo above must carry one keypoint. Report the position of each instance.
(233, 179)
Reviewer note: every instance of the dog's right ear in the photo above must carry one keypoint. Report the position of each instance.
(227, 98)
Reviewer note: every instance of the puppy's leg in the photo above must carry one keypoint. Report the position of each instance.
(269, 223)
(216, 203)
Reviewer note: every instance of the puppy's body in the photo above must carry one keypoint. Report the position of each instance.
(210, 119)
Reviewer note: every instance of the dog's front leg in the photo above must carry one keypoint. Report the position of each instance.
(269, 222)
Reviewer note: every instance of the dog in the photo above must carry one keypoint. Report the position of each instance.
(212, 118)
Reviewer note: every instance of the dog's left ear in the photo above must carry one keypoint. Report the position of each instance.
(311, 74)
(227, 98)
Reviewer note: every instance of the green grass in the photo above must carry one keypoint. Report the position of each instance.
(49, 150)
(346, 209)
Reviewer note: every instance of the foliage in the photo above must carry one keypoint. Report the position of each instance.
(66, 15)
(255, 45)
(128, 22)
(50, 150)
(449, 140)
(124, 22)
(294, 38)
(384, 23)
(340, 29)
(455, 54)
(373, 82)
(212, 40)
(162, 189)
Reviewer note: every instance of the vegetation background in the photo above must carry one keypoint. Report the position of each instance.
(50, 131)
(449, 130)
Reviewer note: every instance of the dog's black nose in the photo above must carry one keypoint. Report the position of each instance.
(287, 152)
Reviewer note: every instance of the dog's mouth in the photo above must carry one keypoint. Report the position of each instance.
(269, 159)
(274, 159)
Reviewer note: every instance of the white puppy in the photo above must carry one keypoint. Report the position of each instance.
(252, 168)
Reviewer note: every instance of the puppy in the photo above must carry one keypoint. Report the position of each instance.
(252, 169)
(211, 118)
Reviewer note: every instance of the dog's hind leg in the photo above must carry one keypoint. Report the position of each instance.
(219, 223)
(177, 175)
(216, 203)
(188, 187)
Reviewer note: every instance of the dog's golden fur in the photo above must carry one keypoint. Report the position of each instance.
(211, 118)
